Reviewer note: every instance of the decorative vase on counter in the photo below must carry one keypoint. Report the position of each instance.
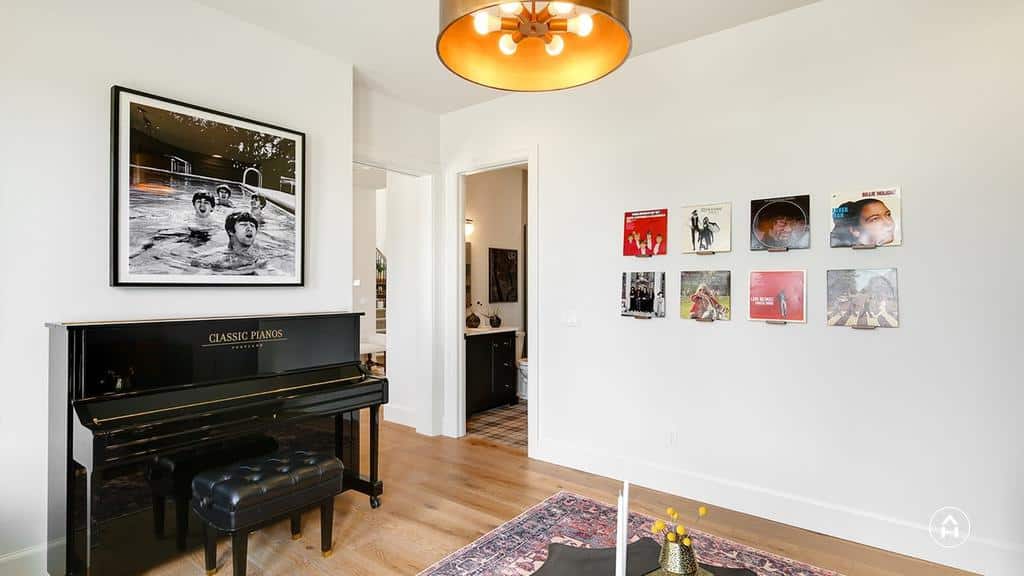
(495, 321)
(472, 321)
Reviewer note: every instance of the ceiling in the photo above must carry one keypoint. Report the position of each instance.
(391, 42)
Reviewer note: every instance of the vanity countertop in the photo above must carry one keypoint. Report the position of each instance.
(489, 330)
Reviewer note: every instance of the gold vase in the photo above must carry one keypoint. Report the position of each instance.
(677, 559)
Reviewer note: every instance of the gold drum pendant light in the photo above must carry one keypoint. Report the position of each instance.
(533, 46)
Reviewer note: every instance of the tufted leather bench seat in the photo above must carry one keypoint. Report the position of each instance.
(240, 498)
(170, 476)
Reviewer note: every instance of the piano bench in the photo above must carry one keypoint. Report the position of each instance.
(170, 476)
(249, 494)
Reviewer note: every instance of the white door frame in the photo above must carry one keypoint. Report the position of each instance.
(429, 400)
(454, 288)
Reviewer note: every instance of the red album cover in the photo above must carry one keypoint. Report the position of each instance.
(646, 233)
(778, 295)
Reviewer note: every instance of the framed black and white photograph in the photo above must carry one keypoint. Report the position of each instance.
(201, 197)
(503, 275)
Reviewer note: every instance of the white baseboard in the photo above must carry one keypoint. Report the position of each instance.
(400, 415)
(25, 562)
(980, 555)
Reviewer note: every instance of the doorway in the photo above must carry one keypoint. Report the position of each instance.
(495, 204)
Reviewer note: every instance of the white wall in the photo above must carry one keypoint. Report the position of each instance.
(393, 134)
(409, 310)
(57, 63)
(494, 202)
(861, 435)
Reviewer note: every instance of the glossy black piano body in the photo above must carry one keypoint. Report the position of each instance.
(123, 393)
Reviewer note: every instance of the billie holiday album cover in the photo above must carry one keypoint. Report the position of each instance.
(867, 218)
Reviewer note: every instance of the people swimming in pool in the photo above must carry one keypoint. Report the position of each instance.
(224, 196)
(243, 254)
(257, 202)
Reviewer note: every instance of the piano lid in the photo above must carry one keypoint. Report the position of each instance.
(122, 359)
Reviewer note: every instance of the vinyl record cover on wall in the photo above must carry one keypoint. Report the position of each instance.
(203, 197)
(780, 223)
(778, 295)
(708, 228)
(705, 295)
(863, 298)
(643, 294)
(868, 218)
(645, 233)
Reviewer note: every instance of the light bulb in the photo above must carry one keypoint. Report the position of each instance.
(512, 7)
(484, 23)
(555, 46)
(581, 25)
(507, 45)
(559, 8)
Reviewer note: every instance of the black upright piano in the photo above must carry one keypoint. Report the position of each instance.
(122, 394)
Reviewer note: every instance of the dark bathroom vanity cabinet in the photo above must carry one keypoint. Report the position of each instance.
(491, 371)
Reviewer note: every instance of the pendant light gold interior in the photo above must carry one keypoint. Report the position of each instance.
(477, 58)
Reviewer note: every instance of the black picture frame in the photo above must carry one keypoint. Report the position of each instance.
(121, 97)
(502, 275)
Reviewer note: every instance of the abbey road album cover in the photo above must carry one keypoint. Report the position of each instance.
(866, 218)
(705, 295)
(708, 228)
(778, 295)
(863, 298)
(780, 223)
(645, 233)
(643, 294)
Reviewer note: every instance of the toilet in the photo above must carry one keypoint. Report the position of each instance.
(522, 367)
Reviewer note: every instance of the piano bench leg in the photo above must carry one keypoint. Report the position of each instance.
(239, 543)
(181, 522)
(296, 526)
(210, 541)
(159, 503)
(327, 527)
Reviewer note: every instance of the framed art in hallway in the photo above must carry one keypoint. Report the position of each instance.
(778, 295)
(863, 298)
(645, 233)
(708, 228)
(503, 275)
(201, 197)
(705, 295)
(643, 294)
(866, 219)
(780, 223)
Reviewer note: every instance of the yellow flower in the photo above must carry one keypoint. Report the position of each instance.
(702, 511)
(686, 542)
(658, 526)
(670, 511)
(671, 536)
(681, 530)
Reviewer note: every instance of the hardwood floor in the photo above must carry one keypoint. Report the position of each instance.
(441, 494)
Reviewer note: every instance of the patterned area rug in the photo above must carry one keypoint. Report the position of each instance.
(519, 546)
(506, 425)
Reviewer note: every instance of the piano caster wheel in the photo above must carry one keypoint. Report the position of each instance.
(374, 502)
